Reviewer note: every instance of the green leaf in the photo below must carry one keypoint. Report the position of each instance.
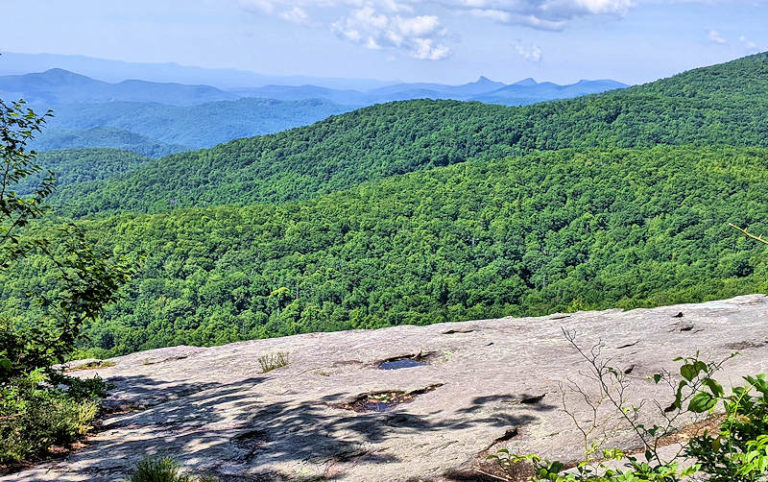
(716, 444)
(702, 402)
(714, 387)
(688, 371)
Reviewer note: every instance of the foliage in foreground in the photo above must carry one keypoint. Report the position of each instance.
(39, 406)
(38, 411)
(732, 446)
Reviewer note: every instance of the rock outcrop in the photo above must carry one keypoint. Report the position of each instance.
(458, 392)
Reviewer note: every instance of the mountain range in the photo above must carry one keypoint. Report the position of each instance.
(14, 63)
(58, 86)
(525, 92)
(180, 128)
(157, 119)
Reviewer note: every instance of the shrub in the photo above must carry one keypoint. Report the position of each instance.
(273, 361)
(40, 407)
(164, 469)
(94, 365)
(738, 452)
(35, 414)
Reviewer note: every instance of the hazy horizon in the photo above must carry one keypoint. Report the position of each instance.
(84, 65)
(445, 41)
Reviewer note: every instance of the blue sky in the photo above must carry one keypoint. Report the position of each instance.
(450, 41)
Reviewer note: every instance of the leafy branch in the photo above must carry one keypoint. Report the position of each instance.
(746, 233)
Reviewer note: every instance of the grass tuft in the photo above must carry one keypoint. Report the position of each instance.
(273, 361)
(166, 469)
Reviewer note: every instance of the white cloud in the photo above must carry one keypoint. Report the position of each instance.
(418, 36)
(540, 14)
(265, 6)
(531, 53)
(295, 15)
(714, 36)
(749, 45)
(412, 27)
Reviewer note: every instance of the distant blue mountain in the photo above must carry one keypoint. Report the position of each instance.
(58, 86)
(529, 91)
(150, 118)
(481, 86)
(303, 92)
(483, 90)
(195, 126)
(12, 63)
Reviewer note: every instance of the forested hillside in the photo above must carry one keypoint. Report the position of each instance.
(104, 138)
(720, 105)
(197, 126)
(546, 232)
(74, 166)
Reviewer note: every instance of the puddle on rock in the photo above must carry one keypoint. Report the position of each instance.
(403, 363)
(407, 361)
(384, 401)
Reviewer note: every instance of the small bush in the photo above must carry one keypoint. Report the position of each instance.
(273, 361)
(35, 415)
(81, 388)
(164, 470)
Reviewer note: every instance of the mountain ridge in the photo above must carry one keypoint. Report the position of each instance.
(59, 86)
(186, 127)
(389, 139)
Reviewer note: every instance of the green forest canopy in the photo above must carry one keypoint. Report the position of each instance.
(328, 227)
(75, 166)
(530, 235)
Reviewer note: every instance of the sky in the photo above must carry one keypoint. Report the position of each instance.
(448, 41)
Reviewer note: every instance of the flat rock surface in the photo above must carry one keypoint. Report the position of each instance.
(483, 385)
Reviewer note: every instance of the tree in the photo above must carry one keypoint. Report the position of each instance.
(85, 279)
(18, 124)
(41, 406)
